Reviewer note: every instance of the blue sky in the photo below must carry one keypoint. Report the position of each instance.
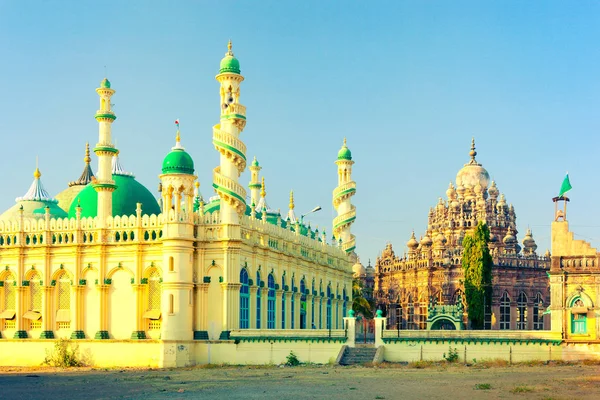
(408, 84)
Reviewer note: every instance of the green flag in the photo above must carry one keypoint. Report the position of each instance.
(566, 186)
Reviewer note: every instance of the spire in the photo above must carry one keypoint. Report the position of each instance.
(117, 168)
(473, 153)
(177, 138)
(263, 193)
(262, 202)
(229, 46)
(291, 215)
(36, 191)
(87, 174)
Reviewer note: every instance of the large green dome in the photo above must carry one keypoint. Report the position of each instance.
(128, 193)
(178, 161)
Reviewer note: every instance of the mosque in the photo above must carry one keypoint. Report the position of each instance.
(423, 289)
(104, 260)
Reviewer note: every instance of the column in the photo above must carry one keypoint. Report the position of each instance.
(264, 293)
(77, 323)
(231, 306)
(288, 309)
(252, 306)
(20, 333)
(297, 306)
(309, 309)
(47, 317)
(103, 315)
(140, 331)
(379, 326)
(317, 312)
(278, 298)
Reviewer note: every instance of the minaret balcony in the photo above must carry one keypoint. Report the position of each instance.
(104, 115)
(343, 191)
(233, 111)
(229, 141)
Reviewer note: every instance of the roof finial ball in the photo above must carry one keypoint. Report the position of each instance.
(473, 153)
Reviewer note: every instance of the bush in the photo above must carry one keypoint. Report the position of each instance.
(292, 360)
(65, 354)
(452, 355)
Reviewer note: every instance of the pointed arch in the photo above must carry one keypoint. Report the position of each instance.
(522, 311)
(505, 311)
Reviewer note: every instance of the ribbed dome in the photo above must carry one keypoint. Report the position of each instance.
(178, 161)
(412, 242)
(229, 64)
(129, 192)
(344, 153)
(358, 269)
(472, 173)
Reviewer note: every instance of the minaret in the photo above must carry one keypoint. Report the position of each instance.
(254, 181)
(105, 151)
(226, 139)
(341, 200)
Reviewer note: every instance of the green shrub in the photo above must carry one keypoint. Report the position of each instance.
(483, 386)
(292, 360)
(452, 355)
(65, 354)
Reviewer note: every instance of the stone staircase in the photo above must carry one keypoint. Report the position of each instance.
(358, 355)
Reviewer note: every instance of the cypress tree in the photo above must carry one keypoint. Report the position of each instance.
(477, 268)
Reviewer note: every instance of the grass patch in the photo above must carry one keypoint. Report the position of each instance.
(483, 386)
(422, 364)
(521, 389)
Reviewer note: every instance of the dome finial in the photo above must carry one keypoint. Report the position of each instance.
(37, 174)
(177, 136)
(87, 159)
(345, 142)
(473, 153)
(263, 192)
(229, 46)
(291, 199)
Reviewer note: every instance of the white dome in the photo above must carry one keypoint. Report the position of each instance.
(472, 173)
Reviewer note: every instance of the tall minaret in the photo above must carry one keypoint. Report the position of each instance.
(341, 200)
(226, 138)
(254, 181)
(105, 151)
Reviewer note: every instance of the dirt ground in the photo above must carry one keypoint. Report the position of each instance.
(578, 381)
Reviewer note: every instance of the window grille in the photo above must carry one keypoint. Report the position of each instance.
(522, 311)
(505, 311)
(538, 311)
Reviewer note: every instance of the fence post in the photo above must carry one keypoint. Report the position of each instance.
(350, 324)
(379, 325)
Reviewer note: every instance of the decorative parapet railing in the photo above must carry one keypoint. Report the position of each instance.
(234, 110)
(289, 335)
(483, 337)
(73, 231)
(342, 191)
(230, 191)
(344, 219)
(233, 147)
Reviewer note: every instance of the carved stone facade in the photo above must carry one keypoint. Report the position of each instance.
(430, 273)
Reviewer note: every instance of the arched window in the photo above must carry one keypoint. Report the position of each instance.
(410, 313)
(423, 312)
(293, 303)
(522, 311)
(302, 305)
(258, 300)
(345, 303)
(35, 302)
(337, 310)
(505, 311)
(283, 302)
(10, 302)
(153, 313)
(244, 300)
(312, 317)
(271, 303)
(328, 323)
(63, 314)
(578, 317)
(538, 313)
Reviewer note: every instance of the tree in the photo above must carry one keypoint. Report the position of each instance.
(360, 305)
(477, 267)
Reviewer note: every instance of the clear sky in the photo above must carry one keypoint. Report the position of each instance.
(408, 84)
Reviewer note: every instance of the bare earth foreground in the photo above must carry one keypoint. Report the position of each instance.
(577, 381)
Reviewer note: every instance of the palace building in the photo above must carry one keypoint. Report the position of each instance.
(105, 261)
(423, 289)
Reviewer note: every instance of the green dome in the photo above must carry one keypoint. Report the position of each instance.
(229, 64)
(344, 153)
(178, 161)
(128, 193)
(105, 84)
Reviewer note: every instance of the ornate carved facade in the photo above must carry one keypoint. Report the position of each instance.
(431, 274)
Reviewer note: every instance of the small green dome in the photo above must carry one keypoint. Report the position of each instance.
(229, 64)
(255, 162)
(178, 161)
(105, 84)
(128, 193)
(344, 153)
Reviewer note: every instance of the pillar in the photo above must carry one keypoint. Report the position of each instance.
(350, 326)
(288, 309)
(140, 328)
(77, 323)
(379, 327)
(20, 333)
(309, 309)
(297, 305)
(252, 306)
(278, 298)
(264, 293)
(47, 317)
